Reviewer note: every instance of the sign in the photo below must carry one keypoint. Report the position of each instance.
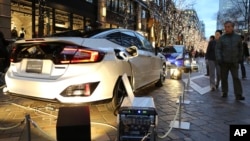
(239, 132)
(34, 66)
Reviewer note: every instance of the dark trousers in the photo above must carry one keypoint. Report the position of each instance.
(233, 68)
(243, 69)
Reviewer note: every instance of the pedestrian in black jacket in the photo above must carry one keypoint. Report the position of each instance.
(211, 38)
(228, 54)
(244, 56)
(213, 66)
(4, 55)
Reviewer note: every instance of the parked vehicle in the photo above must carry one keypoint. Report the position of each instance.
(178, 60)
(80, 67)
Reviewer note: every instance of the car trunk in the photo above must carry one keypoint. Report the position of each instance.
(42, 60)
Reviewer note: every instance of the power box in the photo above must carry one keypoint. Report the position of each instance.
(136, 123)
(137, 117)
(73, 124)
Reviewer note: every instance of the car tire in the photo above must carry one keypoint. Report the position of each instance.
(119, 94)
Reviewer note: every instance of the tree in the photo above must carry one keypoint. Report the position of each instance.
(238, 13)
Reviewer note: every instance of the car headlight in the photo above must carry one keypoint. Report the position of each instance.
(187, 63)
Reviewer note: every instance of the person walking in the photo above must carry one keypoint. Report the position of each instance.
(228, 54)
(4, 55)
(210, 59)
(211, 38)
(244, 56)
(213, 66)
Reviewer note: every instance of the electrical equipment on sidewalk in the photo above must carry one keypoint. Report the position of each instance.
(137, 117)
(136, 123)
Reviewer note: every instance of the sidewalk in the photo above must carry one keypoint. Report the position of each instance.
(209, 115)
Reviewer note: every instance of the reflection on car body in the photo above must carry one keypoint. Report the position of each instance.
(83, 67)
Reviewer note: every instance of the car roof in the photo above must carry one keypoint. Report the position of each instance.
(76, 36)
(87, 34)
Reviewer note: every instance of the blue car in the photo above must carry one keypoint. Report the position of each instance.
(175, 55)
(177, 60)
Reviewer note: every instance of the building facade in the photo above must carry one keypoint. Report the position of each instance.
(158, 20)
(44, 17)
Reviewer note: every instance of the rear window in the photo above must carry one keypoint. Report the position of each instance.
(48, 50)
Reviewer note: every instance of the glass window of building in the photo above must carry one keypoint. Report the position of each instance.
(114, 5)
(77, 22)
(121, 6)
(61, 21)
(21, 20)
(109, 4)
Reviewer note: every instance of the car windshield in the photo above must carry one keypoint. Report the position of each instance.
(173, 49)
(178, 49)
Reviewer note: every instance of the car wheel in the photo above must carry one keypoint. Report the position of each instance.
(118, 96)
(160, 82)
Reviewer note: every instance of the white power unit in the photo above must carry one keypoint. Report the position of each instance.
(137, 117)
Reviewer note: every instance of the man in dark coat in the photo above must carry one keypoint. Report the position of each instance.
(228, 54)
(4, 54)
(244, 56)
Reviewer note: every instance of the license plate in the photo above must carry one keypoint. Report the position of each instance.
(34, 66)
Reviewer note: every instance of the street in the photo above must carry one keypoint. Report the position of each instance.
(208, 113)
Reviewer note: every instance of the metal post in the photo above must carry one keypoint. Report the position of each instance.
(180, 112)
(27, 118)
(183, 93)
(185, 86)
(188, 81)
(179, 123)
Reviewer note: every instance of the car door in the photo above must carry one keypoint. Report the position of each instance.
(154, 65)
(140, 63)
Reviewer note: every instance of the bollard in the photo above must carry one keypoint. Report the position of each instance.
(188, 82)
(183, 95)
(179, 123)
(27, 118)
(180, 105)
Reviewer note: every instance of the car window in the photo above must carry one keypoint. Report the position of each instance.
(114, 37)
(146, 45)
(169, 50)
(179, 49)
(130, 39)
(51, 51)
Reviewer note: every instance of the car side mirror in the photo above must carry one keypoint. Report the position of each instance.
(132, 51)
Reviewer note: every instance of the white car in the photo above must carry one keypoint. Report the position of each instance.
(83, 69)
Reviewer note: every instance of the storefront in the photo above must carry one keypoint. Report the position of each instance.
(42, 18)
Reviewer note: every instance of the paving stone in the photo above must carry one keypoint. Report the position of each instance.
(209, 115)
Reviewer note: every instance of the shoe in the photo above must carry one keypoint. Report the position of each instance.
(240, 98)
(244, 77)
(224, 95)
(206, 74)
